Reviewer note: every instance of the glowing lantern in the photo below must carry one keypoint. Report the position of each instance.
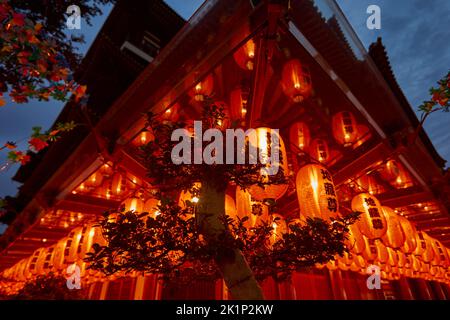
(58, 255)
(440, 253)
(296, 81)
(19, 270)
(374, 251)
(246, 206)
(143, 138)
(394, 236)
(319, 150)
(424, 247)
(367, 182)
(372, 222)
(151, 206)
(45, 262)
(132, 181)
(106, 169)
(172, 113)
(230, 206)
(238, 103)
(316, 193)
(394, 173)
(279, 227)
(299, 136)
(202, 89)
(95, 180)
(266, 147)
(32, 263)
(193, 197)
(355, 241)
(345, 129)
(90, 234)
(245, 55)
(118, 184)
(409, 231)
(70, 251)
(134, 204)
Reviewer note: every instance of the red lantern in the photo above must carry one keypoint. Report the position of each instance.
(118, 184)
(368, 183)
(275, 191)
(394, 236)
(94, 180)
(372, 222)
(409, 231)
(315, 192)
(299, 137)
(134, 204)
(424, 247)
(296, 81)
(58, 256)
(151, 206)
(143, 138)
(246, 206)
(345, 128)
(319, 150)
(238, 103)
(245, 55)
(396, 175)
(202, 89)
(441, 257)
(355, 241)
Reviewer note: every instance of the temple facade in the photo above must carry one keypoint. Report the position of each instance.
(296, 66)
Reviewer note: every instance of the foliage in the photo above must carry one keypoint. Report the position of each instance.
(173, 242)
(48, 287)
(440, 98)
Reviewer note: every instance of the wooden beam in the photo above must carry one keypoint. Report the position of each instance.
(405, 197)
(86, 204)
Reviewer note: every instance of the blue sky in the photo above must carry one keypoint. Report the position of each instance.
(415, 32)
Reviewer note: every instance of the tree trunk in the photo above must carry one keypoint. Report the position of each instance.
(235, 270)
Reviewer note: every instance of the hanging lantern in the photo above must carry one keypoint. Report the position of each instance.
(319, 150)
(395, 174)
(132, 181)
(230, 206)
(265, 147)
(424, 247)
(106, 169)
(441, 257)
(279, 227)
(355, 240)
(19, 270)
(316, 193)
(133, 204)
(118, 184)
(299, 137)
(246, 206)
(372, 222)
(70, 251)
(143, 138)
(238, 103)
(345, 129)
(202, 89)
(151, 206)
(409, 231)
(31, 266)
(367, 182)
(171, 113)
(296, 81)
(375, 251)
(223, 123)
(394, 236)
(187, 196)
(245, 55)
(94, 180)
(58, 255)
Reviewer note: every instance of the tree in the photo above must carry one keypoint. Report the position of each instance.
(198, 240)
(37, 60)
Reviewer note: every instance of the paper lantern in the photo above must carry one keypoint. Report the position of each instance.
(202, 89)
(45, 264)
(375, 251)
(187, 196)
(118, 184)
(58, 255)
(246, 206)
(441, 257)
(31, 266)
(319, 150)
(70, 251)
(368, 183)
(238, 103)
(409, 231)
(299, 137)
(19, 273)
(230, 206)
(143, 138)
(266, 147)
(94, 180)
(296, 81)
(372, 222)
(394, 236)
(106, 169)
(316, 193)
(279, 226)
(171, 113)
(134, 204)
(245, 55)
(394, 173)
(424, 247)
(345, 129)
(355, 240)
(151, 206)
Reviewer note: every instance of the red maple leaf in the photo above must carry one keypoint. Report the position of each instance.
(37, 144)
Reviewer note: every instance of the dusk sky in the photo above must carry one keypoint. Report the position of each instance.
(415, 32)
